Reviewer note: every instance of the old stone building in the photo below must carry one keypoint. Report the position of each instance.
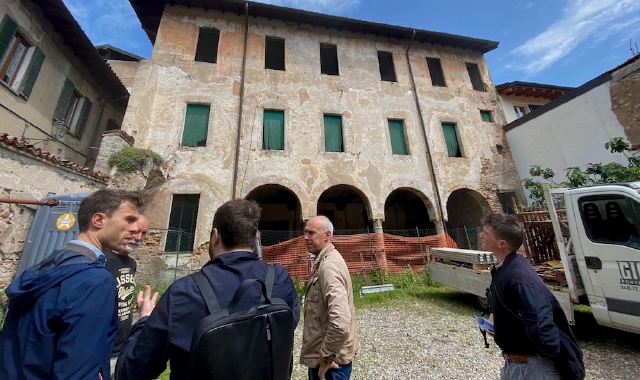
(55, 89)
(376, 126)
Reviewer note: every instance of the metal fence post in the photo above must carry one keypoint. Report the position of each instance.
(175, 270)
(421, 251)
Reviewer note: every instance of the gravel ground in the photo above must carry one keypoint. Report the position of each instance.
(422, 340)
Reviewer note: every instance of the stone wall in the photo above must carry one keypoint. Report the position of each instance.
(625, 92)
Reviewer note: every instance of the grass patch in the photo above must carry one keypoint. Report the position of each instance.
(130, 159)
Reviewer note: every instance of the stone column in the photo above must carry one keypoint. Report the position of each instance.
(378, 241)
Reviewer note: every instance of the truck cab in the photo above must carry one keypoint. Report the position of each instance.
(604, 224)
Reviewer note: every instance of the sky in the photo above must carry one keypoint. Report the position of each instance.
(556, 42)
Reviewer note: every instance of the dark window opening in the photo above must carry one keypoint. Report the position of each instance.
(387, 70)
(534, 107)
(111, 125)
(207, 49)
(274, 53)
(500, 149)
(329, 59)
(435, 71)
(507, 199)
(182, 223)
(476, 79)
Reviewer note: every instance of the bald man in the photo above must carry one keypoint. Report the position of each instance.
(123, 268)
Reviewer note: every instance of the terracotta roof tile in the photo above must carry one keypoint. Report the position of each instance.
(25, 147)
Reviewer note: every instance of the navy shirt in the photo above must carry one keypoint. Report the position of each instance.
(166, 334)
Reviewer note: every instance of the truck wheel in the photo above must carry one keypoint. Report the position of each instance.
(483, 303)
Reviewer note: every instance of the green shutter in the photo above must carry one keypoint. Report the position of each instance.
(32, 73)
(196, 125)
(486, 116)
(63, 101)
(396, 132)
(333, 133)
(84, 116)
(273, 130)
(451, 139)
(8, 29)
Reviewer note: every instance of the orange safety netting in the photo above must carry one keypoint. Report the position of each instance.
(363, 253)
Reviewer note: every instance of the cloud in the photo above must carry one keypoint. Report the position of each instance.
(581, 21)
(326, 6)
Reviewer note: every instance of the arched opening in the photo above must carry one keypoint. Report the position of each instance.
(465, 209)
(281, 211)
(405, 209)
(346, 207)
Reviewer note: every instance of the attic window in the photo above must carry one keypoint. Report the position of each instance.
(329, 59)
(435, 71)
(274, 53)
(207, 49)
(476, 78)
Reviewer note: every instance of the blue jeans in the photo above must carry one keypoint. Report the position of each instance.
(535, 368)
(342, 373)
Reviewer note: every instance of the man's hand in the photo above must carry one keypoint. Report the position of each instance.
(145, 302)
(322, 370)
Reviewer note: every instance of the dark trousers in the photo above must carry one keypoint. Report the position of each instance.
(342, 373)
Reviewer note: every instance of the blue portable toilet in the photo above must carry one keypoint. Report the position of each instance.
(52, 228)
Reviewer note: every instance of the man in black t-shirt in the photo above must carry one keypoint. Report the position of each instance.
(123, 268)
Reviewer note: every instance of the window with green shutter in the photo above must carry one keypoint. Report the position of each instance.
(398, 140)
(80, 125)
(21, 62)
(486, 116)
(333, 133)
(273, 130)
(451, 139)
(196, 125)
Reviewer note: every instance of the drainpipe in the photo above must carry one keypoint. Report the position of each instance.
(242, 80)
(424, 134)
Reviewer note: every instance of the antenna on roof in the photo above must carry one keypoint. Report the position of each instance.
(634, 49)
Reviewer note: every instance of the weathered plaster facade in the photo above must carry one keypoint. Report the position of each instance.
(61, 62)
(171, 79)
(573, 129)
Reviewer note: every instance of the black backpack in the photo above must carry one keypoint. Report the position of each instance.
(247, 344)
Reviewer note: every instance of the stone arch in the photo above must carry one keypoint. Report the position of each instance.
(408, 208)
(465, 209)
(314, 199)
(286, 183)
(346, 206)
(281, 209)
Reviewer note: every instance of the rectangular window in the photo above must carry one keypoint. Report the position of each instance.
(435, 71)
(182, 223)
(474, 75)
(196, 125)
(329, 59)
(207, 49)
(274, 53)
(486, 116)
(20, 61)
(520, 111)
(333, 133)
(273, 130)
(451, 139)
(387, 70)
(111, 125)
(398, 140)
(533, 107)
(505, 198)
(72, 109)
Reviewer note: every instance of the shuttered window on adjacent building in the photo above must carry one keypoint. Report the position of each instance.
(435, 71)
(387, 70)
(329, 59)
(73, 109)
(397, 136)
(207, 49)
(451, 139)
(333, 133)
(21, 61)
(196, 125)
(273, 130)
(274, 53)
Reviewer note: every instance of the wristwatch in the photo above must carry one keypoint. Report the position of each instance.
(325, 361)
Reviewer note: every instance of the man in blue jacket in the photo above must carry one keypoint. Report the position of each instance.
(61, 321)
(529, 324)
(165, 334)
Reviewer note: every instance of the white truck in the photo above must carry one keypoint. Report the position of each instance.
(600, 255)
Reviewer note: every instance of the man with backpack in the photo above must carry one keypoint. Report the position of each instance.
(166, 333)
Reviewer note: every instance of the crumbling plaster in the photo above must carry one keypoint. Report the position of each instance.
(171, 79)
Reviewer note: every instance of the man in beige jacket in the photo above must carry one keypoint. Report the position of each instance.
(329, 339)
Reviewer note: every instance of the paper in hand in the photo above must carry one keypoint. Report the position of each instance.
(485, 324)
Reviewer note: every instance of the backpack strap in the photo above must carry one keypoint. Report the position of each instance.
(271, 275)
(206, 291)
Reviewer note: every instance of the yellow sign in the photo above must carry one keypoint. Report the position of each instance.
(65, 221)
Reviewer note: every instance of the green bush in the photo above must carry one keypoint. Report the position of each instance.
(130, 159)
